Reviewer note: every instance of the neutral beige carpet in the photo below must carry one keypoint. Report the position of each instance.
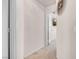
(45, 53)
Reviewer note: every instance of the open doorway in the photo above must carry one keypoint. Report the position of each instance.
(30, 26)
(40, 29)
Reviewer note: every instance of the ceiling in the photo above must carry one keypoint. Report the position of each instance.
(46, 2)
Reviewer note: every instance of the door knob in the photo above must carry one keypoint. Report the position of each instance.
(54, 22)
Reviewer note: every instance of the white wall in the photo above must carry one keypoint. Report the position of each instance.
(33, 27)
(66, 32)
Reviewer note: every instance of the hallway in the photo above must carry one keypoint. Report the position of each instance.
(44, 53)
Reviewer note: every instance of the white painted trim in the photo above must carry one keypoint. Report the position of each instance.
(17, 30)
(20, 28)
(13, 41)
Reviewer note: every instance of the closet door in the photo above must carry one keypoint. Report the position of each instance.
(4, 29)
(66, 37)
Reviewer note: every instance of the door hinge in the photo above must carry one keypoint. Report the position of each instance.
(8, 29)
